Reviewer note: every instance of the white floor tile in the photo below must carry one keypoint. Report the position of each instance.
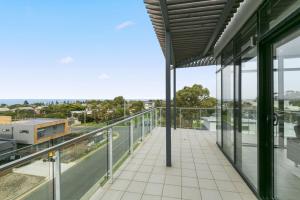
(191, 193)
(154, 189)
(172, 191)
(199, 171)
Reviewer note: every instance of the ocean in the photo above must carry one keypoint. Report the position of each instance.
(31, 101)
(47, 101)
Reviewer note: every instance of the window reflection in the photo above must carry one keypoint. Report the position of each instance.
(248, 158)
(286, 65)
(227, 110)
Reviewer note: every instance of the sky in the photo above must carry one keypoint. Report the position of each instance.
(81, 49)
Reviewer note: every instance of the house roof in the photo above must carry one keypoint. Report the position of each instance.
(38, 121)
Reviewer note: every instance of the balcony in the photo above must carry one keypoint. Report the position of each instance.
(254, 129)
(199, 171)
(126, 160)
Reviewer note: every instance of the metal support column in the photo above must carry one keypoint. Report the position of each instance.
(174, 97)
(265, 123)
(110, 150)
(131, 136)
(168, 100)
(57, 173)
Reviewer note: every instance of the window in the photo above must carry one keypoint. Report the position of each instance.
(218, 126)
(227, 110)
(248, 158)
(24, 131)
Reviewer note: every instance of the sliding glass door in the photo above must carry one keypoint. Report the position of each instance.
(286, 112)
(228, 110)
(246, 126)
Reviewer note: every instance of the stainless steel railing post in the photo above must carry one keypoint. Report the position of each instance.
(131, 136)
(57, 176)
(110, 153)
(143, 127)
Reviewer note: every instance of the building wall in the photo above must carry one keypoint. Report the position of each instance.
(5, 119)
(23, 134)
(34, 134)
(6, 131)
(47, 131)
(255, 143)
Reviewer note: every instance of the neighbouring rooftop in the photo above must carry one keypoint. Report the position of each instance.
(33, 122)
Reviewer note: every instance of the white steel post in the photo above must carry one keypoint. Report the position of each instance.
(131, 136)
(110, 157)
(57, 173)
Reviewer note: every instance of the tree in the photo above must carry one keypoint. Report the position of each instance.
(158, 103)
(136, 106)
(26, 102)
(118, 101)
(195, 96)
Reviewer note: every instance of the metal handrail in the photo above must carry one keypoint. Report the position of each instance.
(190, 108)
(107, 123)
(67, 143)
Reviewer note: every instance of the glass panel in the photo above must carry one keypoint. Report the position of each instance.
(162, 117)
(207, 119)
(190, 118)
(247, 160)
(137, 129)
(286, 64)
(227, 54)
(85, 162)
(276, 11)
(121, 143)
(33, 180)
(218, 125)
(147, 123)
(152, 120)
(227, 110)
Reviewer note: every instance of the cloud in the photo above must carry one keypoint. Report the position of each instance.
(124, 25)
(66, 60)
(103, 76)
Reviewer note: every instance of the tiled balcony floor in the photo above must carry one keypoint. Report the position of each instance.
(199, 171)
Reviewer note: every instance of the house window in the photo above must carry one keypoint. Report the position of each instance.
(24, 131)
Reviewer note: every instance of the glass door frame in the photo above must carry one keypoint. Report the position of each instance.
(266, 180)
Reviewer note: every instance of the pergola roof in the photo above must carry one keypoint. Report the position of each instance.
(194, 25)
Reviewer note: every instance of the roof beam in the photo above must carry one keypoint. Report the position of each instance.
(165, 16)
(227, 11)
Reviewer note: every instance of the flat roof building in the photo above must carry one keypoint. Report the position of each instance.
(34, 131)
